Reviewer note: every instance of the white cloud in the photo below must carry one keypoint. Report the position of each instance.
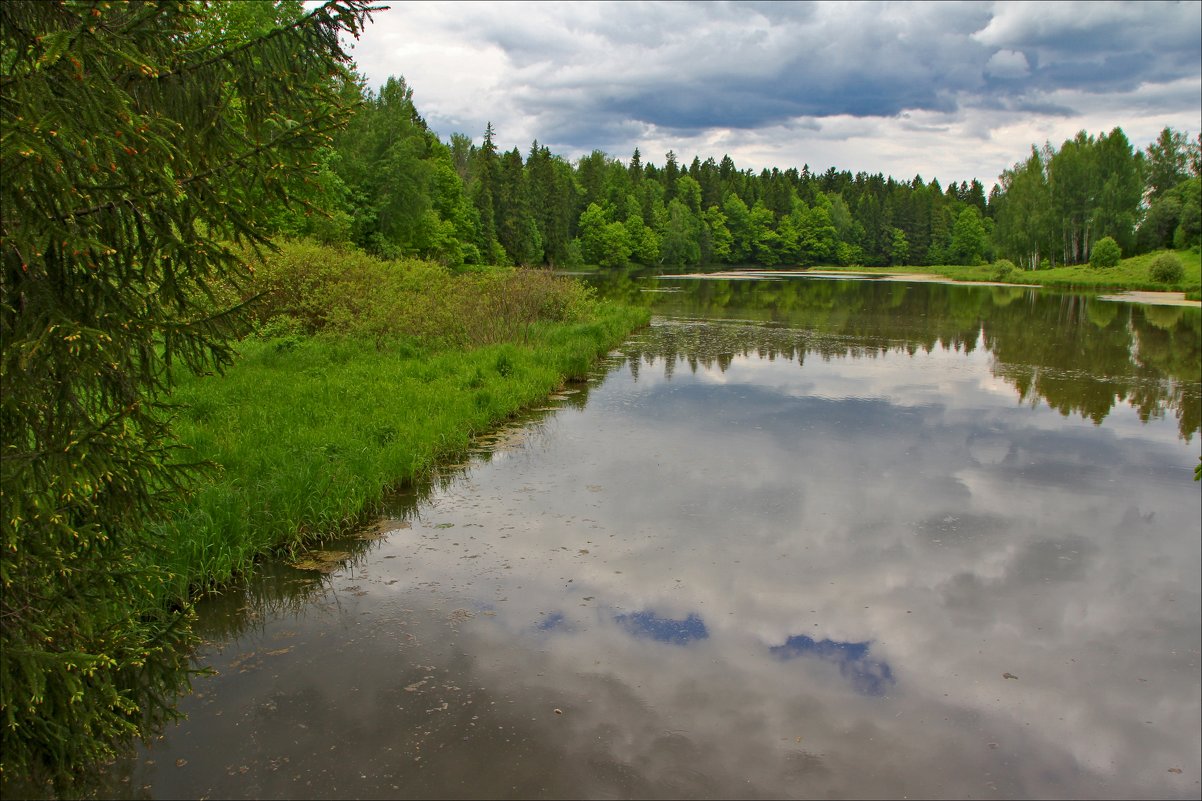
(947, 90)
(1007, 64)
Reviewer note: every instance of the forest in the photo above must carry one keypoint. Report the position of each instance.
(157, 158)
(391, 186)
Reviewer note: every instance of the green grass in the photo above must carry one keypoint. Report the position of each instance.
(1129, 274)
(309, 433)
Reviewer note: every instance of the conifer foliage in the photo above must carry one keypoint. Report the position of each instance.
(138, 149)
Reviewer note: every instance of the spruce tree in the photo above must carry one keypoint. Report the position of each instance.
(136, 150)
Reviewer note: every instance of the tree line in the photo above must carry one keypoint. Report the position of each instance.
(392, 187)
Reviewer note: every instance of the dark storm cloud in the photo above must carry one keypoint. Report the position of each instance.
(881, 87)
(1099, 46)
(749, 66)
(690, 67)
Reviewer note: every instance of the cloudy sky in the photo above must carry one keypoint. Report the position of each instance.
(946, 90)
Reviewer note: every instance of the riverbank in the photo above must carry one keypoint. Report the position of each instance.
(532, 601)
(310, 433)
(357, 376)
(1129, 281)
(1130, 275)
(364, 376)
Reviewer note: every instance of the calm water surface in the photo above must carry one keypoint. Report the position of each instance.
(798, 539)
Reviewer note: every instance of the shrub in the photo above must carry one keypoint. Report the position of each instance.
(1167, 269)
(1106, 253)
(1003, 269)
(311, 288)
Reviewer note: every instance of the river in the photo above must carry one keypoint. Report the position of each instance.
(799, 538)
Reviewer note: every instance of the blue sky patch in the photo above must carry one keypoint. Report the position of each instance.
(867, 676)
(664, 629)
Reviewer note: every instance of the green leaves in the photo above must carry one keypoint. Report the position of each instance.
(1106, 253)
(969, 241)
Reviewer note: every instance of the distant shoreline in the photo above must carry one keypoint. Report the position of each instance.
(1125, 295)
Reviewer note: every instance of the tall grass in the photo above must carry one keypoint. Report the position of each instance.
(362, 378)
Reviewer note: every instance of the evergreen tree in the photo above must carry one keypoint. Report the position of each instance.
(876, 241)
(483, 193)
(136, 148)
(711, 184)
(516, 228)
(670, 176)
(975, 196)
(636, 167)
(553, 197)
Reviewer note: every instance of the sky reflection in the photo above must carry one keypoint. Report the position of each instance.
(868, 676)
(663, 629)
(879, 576)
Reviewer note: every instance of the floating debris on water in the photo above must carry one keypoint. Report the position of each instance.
(321, 561)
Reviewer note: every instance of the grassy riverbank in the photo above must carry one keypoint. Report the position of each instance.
(358, 375)
(1129, 274)
(363, 375)
(309, 433)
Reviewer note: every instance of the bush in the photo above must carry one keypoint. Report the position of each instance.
(313, 289)
(1003, 270)
(1167, 269)
(1106, 253)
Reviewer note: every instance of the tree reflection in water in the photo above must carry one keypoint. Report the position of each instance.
(1078, 354)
